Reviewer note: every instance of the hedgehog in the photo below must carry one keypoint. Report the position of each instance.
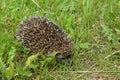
(39, 34)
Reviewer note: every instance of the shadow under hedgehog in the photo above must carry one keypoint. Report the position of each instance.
(41, 35)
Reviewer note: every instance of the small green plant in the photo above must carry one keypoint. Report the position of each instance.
(9, 71)
(107, 31)
(84, 45)
(30, 59)
(44, 60)
(47, 60)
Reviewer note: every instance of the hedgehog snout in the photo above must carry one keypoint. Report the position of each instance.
(64, 58)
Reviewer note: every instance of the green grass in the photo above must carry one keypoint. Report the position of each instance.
(93, 26)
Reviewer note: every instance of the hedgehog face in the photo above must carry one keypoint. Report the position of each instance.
(64, 58)
(64, 55)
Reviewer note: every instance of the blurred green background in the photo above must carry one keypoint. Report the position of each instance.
(93, 26)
